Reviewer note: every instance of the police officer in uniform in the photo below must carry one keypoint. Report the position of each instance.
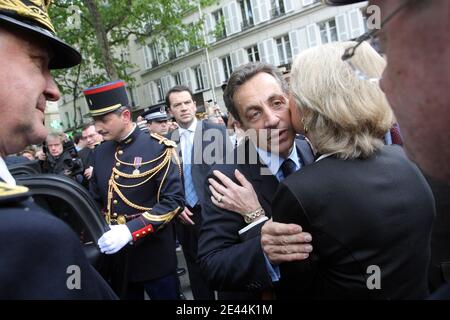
(136, 180)
(38, 251)
(157, 120)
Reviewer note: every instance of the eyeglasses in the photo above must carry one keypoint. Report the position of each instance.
(373, 37)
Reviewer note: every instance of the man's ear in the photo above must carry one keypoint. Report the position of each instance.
(239, 124)
(126, 115)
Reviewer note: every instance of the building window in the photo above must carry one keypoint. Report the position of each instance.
(247, 14)
(220, 32)
(227, 66)
(284, 49)
(253, 54)
(177, 78)
(199, 77)
(328, 31)
(277, 8)
(160, 90)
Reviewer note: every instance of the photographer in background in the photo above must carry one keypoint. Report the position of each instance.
(62, 158)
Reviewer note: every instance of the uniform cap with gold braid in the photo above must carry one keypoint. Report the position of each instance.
(31, 16)
(106, 98)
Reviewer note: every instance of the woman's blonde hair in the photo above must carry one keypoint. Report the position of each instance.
(343, 114)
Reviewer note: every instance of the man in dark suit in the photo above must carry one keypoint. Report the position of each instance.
(229, 246)
(41, 256)
(92, 139)
(201, 144)
(139, 188)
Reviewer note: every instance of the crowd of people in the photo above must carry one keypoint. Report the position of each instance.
(332, 186)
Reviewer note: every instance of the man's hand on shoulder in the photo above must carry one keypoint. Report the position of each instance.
(285, 242)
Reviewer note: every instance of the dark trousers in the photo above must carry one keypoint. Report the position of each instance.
(188, 236)
(165, 288)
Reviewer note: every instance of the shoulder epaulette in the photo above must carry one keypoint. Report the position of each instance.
(9, 192)
(164, 140)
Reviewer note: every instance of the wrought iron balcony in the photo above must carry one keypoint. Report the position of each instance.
(247, 24)
(277, 12)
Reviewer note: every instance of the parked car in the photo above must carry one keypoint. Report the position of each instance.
(72, 203)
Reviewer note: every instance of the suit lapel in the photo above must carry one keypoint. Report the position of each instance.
(263, 181)
(304, 151)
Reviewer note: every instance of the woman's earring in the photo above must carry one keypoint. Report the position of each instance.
(305, 128)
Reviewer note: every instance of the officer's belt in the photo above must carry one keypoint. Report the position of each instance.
(124, 218)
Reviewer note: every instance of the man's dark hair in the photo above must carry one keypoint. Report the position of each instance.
(243, 74)
(77, 137)
(87, 125)
(178, 89)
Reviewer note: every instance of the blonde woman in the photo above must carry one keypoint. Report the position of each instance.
(368, 207)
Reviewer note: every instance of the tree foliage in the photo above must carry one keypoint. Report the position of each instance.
(102, 29)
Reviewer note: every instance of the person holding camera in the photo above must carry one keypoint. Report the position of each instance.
(62, 158)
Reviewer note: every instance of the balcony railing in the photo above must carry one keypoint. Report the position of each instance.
(277, 12)
(247, 24)
(285, 67)
(172, 55)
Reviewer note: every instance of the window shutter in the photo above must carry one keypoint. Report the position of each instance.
(242, 56)
(303, 39)
(234, 59)
(153, 92)
(313, 33)
(289, 5)
(204, 70)
(235, 17)
(182, 77)
(265, 8)
(262, 52)
(270, 52)
(261, 10)
(356, 23)
(188, 77)
(228, 19)
(295, 42)
(255, 9)
(210, 25)
(218, 72)
(342, 27)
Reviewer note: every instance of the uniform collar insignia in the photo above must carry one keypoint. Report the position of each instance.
(131, 137)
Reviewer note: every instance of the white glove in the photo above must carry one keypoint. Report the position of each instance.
(115, 239)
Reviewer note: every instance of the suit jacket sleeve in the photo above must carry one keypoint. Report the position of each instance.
(94, 189)
(229, 263)
(297, 278)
